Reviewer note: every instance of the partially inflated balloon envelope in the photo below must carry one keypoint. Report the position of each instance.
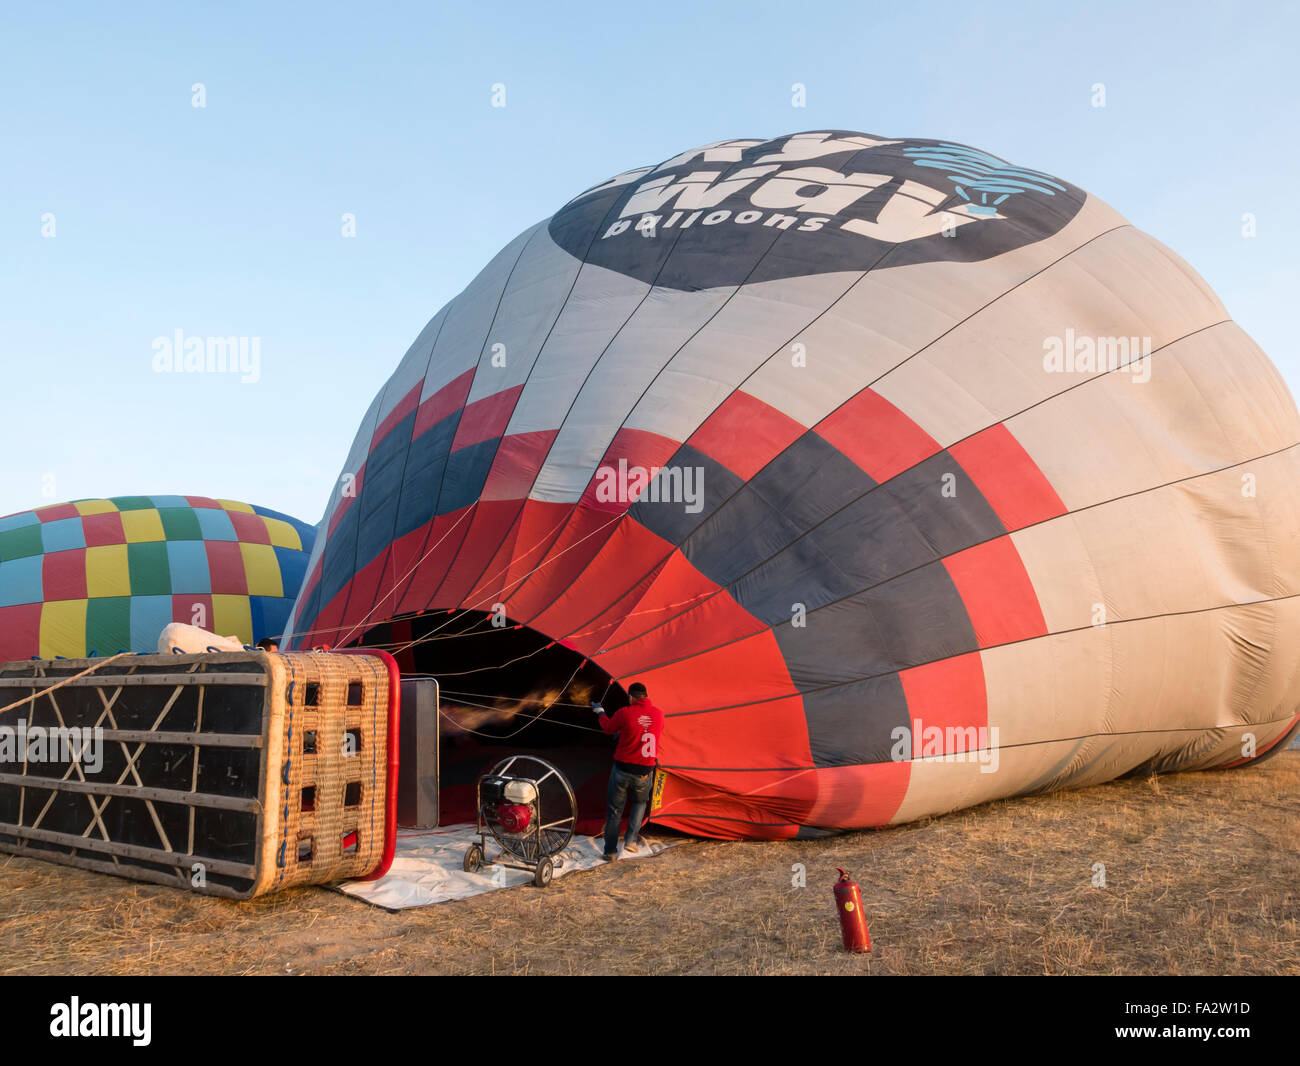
(905, 478)
(107, 575)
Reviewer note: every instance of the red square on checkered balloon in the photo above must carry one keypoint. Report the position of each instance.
(63, 575)
(226, 568)
(103, 529)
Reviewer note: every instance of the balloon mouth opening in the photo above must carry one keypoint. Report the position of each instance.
(506, 688)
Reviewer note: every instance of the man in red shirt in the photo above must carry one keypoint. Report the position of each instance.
(638, 726)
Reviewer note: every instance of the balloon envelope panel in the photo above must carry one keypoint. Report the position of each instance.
(905, 477)
(107, 575)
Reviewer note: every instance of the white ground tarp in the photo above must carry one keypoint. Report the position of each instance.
(427, 868)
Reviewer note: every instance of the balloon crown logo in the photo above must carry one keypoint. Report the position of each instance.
(746, 211)
(985, 174)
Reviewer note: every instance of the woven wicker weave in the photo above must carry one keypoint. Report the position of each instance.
(325, 745)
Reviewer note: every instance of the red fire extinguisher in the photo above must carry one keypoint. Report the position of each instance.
(853, 923)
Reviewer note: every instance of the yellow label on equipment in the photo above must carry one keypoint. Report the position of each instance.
(848, 905)
(657, 792)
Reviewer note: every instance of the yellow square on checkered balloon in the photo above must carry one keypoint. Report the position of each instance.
(107, 571)
(232, 617)
(85, 507)
(261, 570)
(63, 629)
(143, 525)
(283, 535)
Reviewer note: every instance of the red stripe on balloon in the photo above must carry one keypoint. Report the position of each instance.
(446, 401)
(629, 553)
(744, 671)
(661, 628)
(618, 481)
(405, 406)
(551, 570)
(851, 797)
(514, 551)
(471, 582)
(876, 435)
(515, 466)
(326, 627)
(352, 490)
(948, 693)
(756, 734)
(370, 587)
(744, 434)
(485, 418)
(437, 544)
(1008, 478)
(997, 593)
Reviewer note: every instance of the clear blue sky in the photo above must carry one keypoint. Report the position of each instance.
(226, 220)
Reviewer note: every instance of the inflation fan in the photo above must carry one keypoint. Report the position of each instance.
(527, 806)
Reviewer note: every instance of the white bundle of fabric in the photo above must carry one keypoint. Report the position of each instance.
(194, 641)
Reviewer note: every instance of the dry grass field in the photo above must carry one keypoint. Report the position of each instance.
(1202, 872)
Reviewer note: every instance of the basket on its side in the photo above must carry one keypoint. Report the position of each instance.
(233, 774)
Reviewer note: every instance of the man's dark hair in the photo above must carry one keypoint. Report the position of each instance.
(268, 644)
(637, 691)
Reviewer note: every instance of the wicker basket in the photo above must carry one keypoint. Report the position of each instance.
(233, 774)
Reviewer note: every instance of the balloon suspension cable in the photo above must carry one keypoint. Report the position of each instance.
(521, 699)
(366, 617)
(395, 647)
(531, 718)
(66, 680)
(522, 577)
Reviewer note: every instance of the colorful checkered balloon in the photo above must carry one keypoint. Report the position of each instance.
(106, 575)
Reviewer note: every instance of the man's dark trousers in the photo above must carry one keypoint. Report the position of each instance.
(625, 787)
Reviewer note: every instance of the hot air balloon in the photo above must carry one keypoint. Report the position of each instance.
(905, 479)
(102, 576)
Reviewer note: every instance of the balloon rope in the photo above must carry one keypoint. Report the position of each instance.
(532, 718)
(522, 577)
(42, 692)
(366, 618)
(515, 699)
(393, 645)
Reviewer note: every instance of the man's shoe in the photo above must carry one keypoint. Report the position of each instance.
(632, 849)
(608, 857)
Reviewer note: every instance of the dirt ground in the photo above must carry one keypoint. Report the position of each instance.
(1201, 877)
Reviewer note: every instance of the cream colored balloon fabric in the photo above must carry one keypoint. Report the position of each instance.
(969, 488)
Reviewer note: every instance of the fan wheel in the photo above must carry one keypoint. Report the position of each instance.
(544, 872)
